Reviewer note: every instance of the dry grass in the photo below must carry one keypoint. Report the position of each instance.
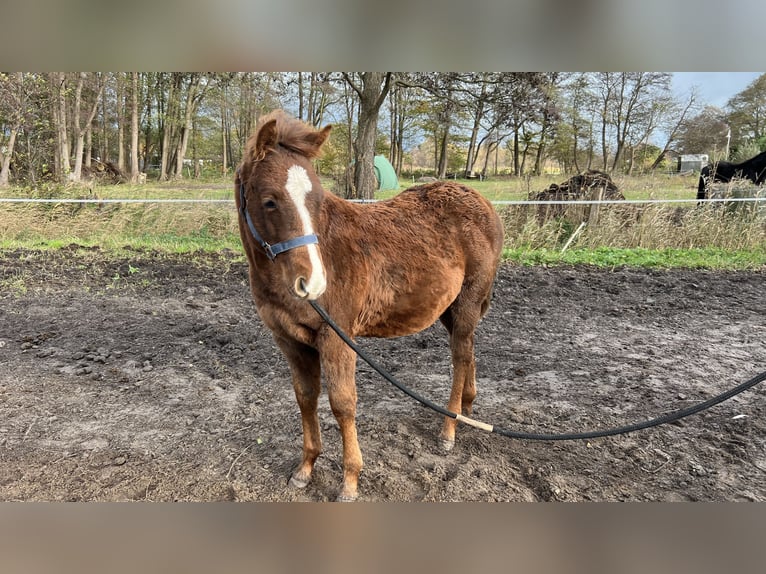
(116, 225)
(187, 227)
(637, 226)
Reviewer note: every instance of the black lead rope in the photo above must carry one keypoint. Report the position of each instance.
(664, 419)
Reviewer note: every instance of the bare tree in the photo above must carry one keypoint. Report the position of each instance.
(633, 106)
(676, 124)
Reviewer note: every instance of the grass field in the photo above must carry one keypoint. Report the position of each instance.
(656, 235)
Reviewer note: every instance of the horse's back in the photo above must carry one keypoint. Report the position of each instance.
(410, 257)
(452, 208)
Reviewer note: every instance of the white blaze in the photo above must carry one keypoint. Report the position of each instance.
(298, 186)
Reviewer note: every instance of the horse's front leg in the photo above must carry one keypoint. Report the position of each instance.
(306, 375)
(339, 366)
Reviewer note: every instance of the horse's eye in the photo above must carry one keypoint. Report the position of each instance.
(270, 204)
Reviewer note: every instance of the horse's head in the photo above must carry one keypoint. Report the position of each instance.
(279, 197)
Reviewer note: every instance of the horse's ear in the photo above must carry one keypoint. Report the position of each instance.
(319, 137)
(266, 139)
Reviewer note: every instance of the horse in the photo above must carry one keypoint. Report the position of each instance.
(753, 169)
(383, 269)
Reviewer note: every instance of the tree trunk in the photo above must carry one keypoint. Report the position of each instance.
(61, 165)
(441, 170)
(148, 151)
(120, 122)
(365, 182)
(472, 147)
(372, 92)
(79, 130)
(6, 155)
(79, 134)
(87, 160)
(186, 129)
(537, 170)
(134, 128)
(104, 151)
(169, 123)
(224, 129)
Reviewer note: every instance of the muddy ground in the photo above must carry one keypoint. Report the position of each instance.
(150, 378)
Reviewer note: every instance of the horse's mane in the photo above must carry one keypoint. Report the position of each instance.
(289, 133)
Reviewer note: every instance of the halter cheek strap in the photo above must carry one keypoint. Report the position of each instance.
(271, 250)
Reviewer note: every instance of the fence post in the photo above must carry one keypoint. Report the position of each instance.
(596, 195)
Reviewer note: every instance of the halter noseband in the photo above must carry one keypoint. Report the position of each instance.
(271, 250)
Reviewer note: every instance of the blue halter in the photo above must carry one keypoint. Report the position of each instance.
(271, 250)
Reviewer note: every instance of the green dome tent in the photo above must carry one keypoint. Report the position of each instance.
(385, 173)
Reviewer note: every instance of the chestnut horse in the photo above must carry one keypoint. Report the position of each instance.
(384, 269)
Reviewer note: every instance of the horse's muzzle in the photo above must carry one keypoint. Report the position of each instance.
(311, 290)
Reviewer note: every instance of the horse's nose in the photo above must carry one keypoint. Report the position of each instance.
(309, 289)
(300, 288)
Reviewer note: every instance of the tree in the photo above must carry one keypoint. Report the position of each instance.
(575, 141)
(58, 89)
(316, 94)
(80, 129)
(634, 111)
(518, 102)
(404, 102)
(121, 81)
(134, 127)
(185, 92)
(13, 106)
(705, 133)
(448, 102)
(372, 89)
(675, 118)
(196, 87)
(747, 114)
(549, 115)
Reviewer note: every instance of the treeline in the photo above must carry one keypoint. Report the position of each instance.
(62, 126)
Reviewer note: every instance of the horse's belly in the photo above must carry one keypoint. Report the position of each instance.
(406, 313)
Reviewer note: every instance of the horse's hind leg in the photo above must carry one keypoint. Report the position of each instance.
(461, 323)
(306, 375)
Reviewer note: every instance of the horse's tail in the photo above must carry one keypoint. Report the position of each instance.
(702, 186)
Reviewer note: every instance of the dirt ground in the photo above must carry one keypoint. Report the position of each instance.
(151, 378)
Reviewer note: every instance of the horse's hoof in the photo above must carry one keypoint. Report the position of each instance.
(447, 445)
(346, 498)
(297, 482)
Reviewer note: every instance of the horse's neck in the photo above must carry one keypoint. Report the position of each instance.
(337, 209)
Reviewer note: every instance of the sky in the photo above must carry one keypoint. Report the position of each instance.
(714, 88)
